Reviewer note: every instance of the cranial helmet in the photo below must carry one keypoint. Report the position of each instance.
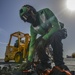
(26, 11)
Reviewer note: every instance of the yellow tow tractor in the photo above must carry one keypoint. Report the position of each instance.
(17, 48)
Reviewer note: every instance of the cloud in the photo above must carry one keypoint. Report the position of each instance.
(2, 31)
(3, 43)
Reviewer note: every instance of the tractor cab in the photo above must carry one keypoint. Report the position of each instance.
(17, 48)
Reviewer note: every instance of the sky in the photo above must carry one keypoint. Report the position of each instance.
(10, 21)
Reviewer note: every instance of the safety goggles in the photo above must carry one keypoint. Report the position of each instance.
(26, 15)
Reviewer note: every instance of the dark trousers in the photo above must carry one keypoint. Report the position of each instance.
(56, 43)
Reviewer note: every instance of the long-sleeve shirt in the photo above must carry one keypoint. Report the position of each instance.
(48, 25)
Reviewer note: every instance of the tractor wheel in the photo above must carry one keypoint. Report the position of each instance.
(18, 58)
(6, 59)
